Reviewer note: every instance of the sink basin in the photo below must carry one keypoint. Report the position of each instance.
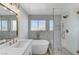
(21, 44)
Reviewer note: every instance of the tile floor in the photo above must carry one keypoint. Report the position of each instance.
(58, 51)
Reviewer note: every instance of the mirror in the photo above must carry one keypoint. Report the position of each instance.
(8, 23)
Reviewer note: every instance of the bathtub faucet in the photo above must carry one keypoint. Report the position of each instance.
(38, 36)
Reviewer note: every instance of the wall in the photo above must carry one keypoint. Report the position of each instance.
(23, 24)
(47, 35)
(71, 39)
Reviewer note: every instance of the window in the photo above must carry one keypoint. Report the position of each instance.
(4, 25)
(13, 25)
(34, 25)
(51, 25)
(0, 25)
(38, 25)
(42, 24)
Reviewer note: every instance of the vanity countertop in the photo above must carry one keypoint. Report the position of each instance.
(15, 50)
(11, 51)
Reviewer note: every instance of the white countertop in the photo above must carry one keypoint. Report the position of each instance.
(11, 51)
(14, 51)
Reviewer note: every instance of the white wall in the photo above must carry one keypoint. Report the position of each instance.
(23, 24)
(71, 39)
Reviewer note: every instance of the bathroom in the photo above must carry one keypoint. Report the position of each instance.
(39, 29)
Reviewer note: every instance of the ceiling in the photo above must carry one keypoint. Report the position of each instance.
(47, 8)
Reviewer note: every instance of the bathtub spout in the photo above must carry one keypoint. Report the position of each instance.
(38, 36)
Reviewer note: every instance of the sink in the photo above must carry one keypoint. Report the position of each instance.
(21, 44)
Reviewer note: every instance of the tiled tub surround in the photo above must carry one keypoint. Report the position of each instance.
(22, 47)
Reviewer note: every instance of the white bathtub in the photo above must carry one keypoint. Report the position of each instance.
(39, 46)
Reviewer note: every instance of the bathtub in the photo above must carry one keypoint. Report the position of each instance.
(39, 46)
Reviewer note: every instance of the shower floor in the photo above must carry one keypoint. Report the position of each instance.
(58, 51)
